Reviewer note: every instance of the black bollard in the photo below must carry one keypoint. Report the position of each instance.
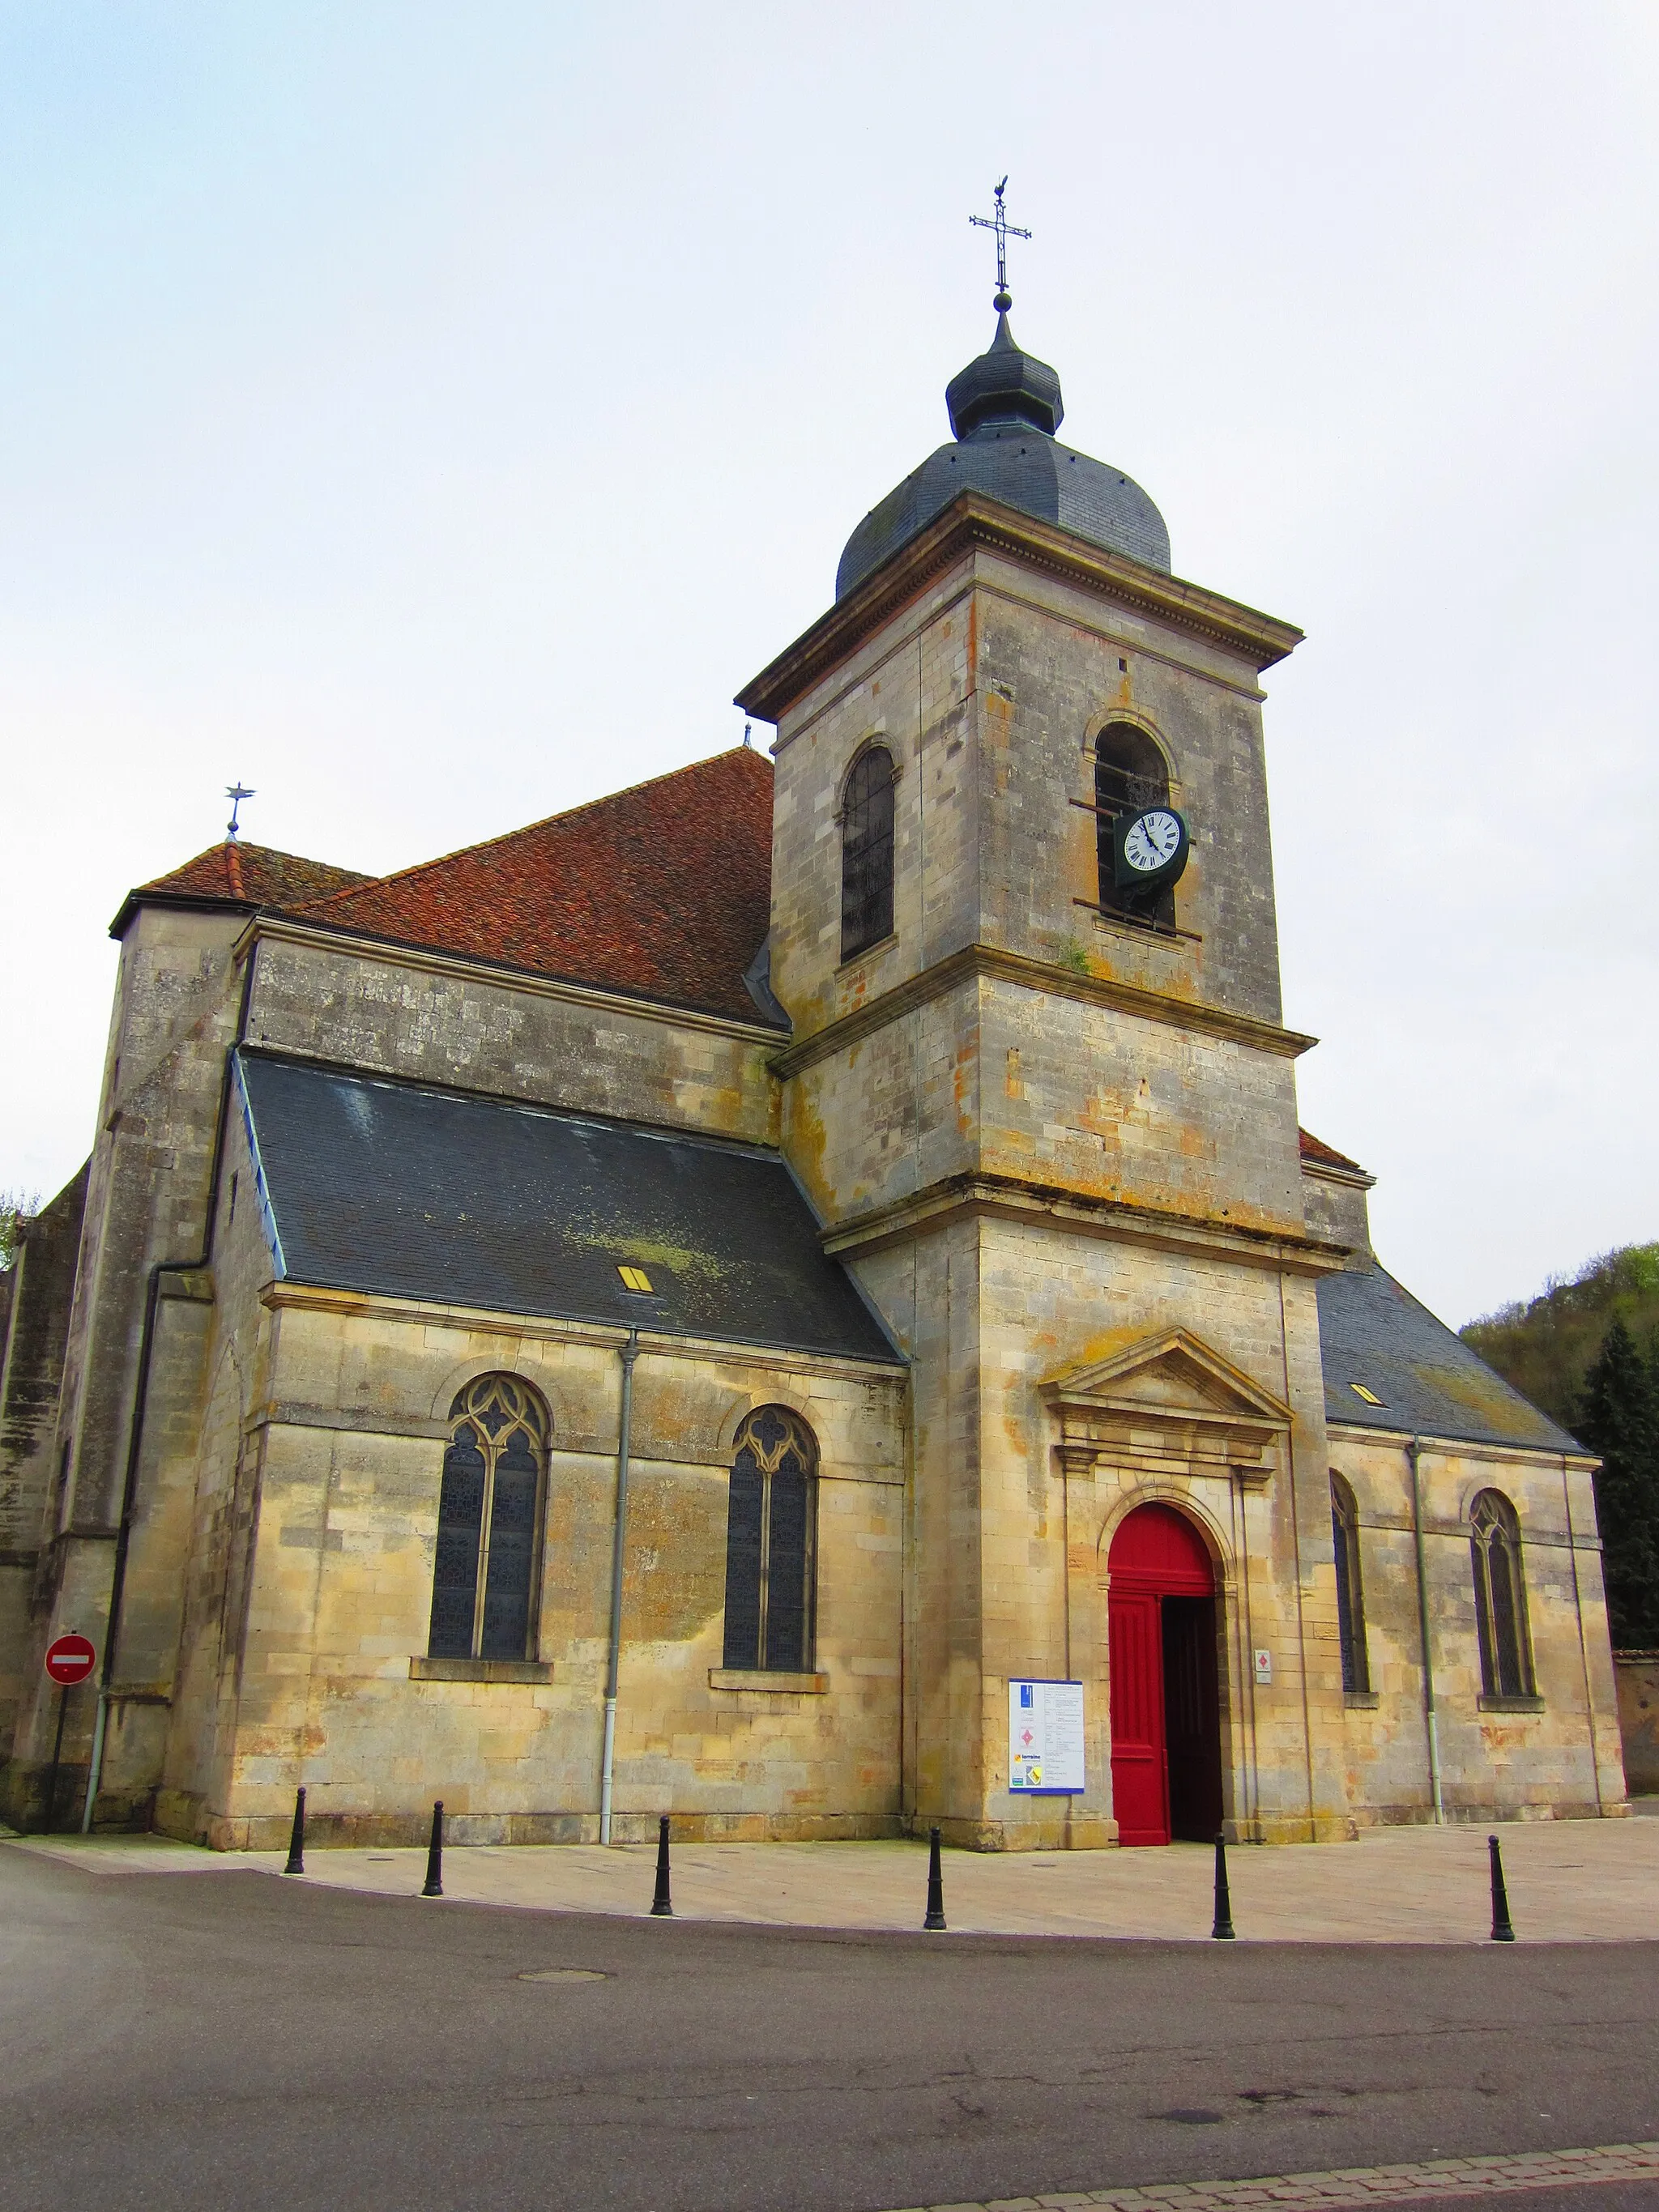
(935, 1884)
(662, 1904)
(1503, 1928)
(296, 1839)
(434, 1854)
(1222, 1930)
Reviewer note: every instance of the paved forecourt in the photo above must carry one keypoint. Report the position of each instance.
(1579, 1881)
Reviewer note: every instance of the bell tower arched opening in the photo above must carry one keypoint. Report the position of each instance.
(1165, 1701)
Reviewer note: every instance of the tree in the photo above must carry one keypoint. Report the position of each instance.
(15, 1206)
(1618, 1418)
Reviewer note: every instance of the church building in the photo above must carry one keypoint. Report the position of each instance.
(792, 1297)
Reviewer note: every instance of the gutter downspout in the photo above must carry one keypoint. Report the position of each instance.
(630, 1353)
(1413, 1453)
(140, 1396)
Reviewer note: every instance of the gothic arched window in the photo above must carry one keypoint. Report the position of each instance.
(1350, 1590)
(489, 1513)
(866, 852)
(770, 1528)
(1130, 773)
(1500, 1598)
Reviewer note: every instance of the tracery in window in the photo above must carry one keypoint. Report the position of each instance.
(770, 1530)
(488, 1512)
(1350, 1590)
(866, 852)
(1131, 774)
(1500, 1598)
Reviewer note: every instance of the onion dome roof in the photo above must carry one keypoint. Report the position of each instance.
(1005, 408)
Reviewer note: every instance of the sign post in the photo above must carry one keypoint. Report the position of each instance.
(69, 1660)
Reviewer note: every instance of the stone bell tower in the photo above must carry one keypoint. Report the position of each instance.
(1054, 1133)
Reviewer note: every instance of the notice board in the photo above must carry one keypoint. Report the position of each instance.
(1045, 1738)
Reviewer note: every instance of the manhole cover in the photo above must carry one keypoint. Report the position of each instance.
(567, 1974)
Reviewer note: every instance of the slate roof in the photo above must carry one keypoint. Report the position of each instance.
(394, 1189)
(1004, 408)
(1373, 1331)
(239, 875)
(663, 890)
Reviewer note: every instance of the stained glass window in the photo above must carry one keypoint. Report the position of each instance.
(483, 1575)
(771, 1519)
(866, 853)
(1500, 1598)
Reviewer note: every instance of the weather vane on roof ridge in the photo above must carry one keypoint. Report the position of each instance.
(236, 793)
(1005, 230)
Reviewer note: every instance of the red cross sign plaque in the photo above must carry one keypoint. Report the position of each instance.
(69, 1660)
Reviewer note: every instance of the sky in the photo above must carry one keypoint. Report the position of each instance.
(432, 415)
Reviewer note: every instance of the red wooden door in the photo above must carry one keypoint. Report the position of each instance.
(1155, 1553)
(1141, 1789)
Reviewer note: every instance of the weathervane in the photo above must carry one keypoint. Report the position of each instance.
(236, 793)
(1005, 230)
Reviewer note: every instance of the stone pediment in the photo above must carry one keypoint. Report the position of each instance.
(1168, 1403)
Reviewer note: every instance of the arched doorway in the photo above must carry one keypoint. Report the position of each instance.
(1165, 1711)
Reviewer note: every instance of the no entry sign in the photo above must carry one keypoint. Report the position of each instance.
(70, 1660)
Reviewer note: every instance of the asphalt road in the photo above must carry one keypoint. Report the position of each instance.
(234, 2039)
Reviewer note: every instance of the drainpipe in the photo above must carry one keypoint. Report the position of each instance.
(140, 1396)
(1413, 1453)
(630, 1353)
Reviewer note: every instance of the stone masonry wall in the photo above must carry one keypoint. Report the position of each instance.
(309, 1592)
(174, 1020)
(431, 1022)
(1561, 1756)
(33, 1334)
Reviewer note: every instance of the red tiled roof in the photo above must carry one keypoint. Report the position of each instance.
(665, 890)
(244, 876)
(1326, 1156)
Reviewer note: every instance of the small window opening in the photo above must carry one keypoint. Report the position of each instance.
(633, 1278)
(866, 853)
(1349, 1588)
(1360, 1391)
(1130, 775)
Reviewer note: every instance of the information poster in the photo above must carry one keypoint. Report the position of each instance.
(1045, 1738)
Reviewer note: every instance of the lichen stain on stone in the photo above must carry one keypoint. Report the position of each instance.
(807, 1142)
(675, 1582)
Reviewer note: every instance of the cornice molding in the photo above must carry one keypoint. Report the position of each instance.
(971, 522)
(1365, 1433)
(611, 1336)
(1350, 1178)
(1011, 1198)
(974, 961)
(501, 975)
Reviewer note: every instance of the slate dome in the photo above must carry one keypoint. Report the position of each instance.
(1005, 408)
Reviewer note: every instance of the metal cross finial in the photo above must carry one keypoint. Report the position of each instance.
(236, 793)
(1005, 230)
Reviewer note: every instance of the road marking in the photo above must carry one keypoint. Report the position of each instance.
(1436, 2178)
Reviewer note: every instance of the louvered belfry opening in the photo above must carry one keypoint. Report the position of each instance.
(1130, 774)
(866, 853)
(488, 1516)
(769, 1541)
(1500, 1598)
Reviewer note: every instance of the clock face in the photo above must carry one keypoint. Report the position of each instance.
(1152, 841)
